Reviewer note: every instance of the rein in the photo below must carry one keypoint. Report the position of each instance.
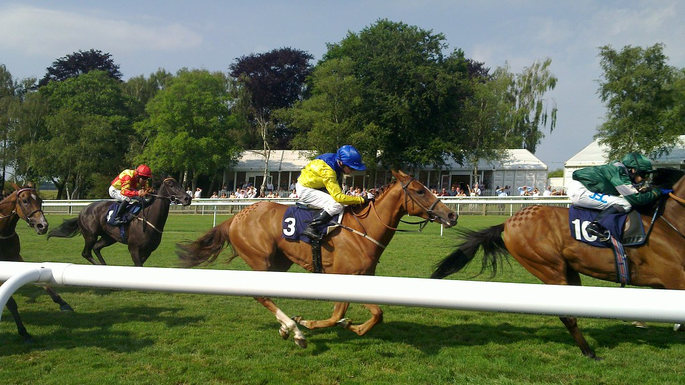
(407, 196)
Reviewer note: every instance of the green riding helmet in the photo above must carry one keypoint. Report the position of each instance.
(639, 162)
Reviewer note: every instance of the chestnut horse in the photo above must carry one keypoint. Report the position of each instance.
(355, 248)
(538, 237)
(23, 203)
(143, 234)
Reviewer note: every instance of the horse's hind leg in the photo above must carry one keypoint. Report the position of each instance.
(12, 306)
(572, 325)
(287, 324)
(86, 253)
(339, 310)
(376, 317)
(63, 305)
(103, 242)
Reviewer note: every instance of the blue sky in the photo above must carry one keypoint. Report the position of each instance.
(143, 36)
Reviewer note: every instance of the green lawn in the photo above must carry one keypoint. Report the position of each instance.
(131, 337)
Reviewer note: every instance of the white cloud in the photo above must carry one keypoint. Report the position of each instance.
(42, 31)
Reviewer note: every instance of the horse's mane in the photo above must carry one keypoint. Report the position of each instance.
(666, 177)
(383, 189)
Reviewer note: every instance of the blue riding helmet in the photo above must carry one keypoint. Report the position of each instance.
(349, 156)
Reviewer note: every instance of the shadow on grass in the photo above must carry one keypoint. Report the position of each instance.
(101, 329)
(432, 339)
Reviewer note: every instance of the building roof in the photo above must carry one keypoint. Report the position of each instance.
(280, 160)
(595, 154)
(517, 159)
(295, 160)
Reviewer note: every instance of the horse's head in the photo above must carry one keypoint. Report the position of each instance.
(173, 190)
(419, 201)
(29, 207)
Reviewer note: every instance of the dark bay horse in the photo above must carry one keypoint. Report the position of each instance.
(24, 203)
(143, 233)
(538, 237)
(255, 236)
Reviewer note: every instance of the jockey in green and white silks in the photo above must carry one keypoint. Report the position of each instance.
(318, 185)
(611, 188)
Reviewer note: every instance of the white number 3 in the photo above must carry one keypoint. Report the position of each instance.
(289, 230)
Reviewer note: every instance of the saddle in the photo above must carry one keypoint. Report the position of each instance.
(296, 219)
(625, 230)
(131, 212)
(625, 227)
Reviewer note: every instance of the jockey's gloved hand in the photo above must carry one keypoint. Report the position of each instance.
(666, 191)
(367, 200)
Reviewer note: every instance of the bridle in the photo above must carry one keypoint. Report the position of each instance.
(18, 201)
(407, 196)
(172, 197)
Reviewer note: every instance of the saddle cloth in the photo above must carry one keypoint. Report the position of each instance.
(131, 211)
(296, 219)
(580, 217)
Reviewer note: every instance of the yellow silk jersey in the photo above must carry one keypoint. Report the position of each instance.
(317, 174)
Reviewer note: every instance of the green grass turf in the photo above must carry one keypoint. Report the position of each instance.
(132, 337)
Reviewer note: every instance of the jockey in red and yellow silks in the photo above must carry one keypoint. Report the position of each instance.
(129, 184)
(323, 172)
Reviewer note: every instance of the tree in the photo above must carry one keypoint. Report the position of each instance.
(407, 97)
(78, 63)
(267, 82)
(645, 101)
(488, 116)
(84, 135)
(532, 111)
(188, 124)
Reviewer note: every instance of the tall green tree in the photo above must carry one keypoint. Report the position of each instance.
(645, 100)
(85, 134)
(188, 125)
(488, 118)
(532, 112)
(410, 93)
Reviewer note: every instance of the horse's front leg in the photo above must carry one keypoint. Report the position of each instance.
(287, 324)
(376, 317)
(339, 310)
(63, 305)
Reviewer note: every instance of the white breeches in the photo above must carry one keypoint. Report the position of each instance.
(116, 194)
(581, 196)
(318, 199)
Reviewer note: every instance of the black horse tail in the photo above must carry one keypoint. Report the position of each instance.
(205, 249)
(489, 239)
(69, 228)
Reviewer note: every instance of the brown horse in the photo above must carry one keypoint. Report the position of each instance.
(538, 237)
(355, 248)
(143, 234)
(23, 203)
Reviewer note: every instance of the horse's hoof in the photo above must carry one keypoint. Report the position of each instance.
(301, 342)
(66, 307)
(639, 324)
(284, 333)
(678, 328)
(297, 319)
(344, 323)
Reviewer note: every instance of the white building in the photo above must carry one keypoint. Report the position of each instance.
(595, 154)
(520, 168)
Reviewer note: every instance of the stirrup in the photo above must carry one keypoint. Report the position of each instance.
(602, 235)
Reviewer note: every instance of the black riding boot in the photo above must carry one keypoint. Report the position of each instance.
(596, 229)
(311, 231)
(120, 212)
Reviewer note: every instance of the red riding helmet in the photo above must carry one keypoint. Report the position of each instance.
(144, 170)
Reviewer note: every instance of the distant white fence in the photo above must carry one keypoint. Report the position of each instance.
(579, 301)
(465, 205)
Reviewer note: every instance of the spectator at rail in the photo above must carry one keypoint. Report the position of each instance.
(223, 191)
(215, 195)
(198, 193)
(525, 190)
(453, 191)
(476, 191)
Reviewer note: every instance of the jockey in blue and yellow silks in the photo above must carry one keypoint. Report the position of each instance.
(323, 173)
